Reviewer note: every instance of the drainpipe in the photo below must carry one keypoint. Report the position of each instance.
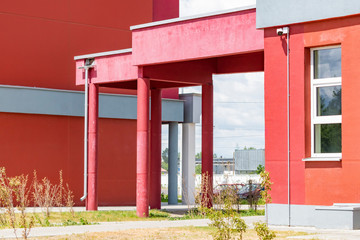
(87, 66)
(288, 115)
(280, 32)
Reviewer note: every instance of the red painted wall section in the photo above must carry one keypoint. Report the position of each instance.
(40, 38)
(312, 183)
(52, 143)
(107, 69)
(297, 115)
(248, 62)
(165, 9)
(213, 36)
(275, 114)
(327, 182)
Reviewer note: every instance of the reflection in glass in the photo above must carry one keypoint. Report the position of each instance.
(327, 138)
(327, 63)
(328, 100)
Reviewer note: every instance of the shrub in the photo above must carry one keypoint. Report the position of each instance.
(263, 232)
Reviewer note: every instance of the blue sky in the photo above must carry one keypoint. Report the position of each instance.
(238, 98)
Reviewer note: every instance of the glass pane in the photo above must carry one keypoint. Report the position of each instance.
(327, 138)
(328, 100)
(327, 63)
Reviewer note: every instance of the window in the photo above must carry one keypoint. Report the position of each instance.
(326, 102)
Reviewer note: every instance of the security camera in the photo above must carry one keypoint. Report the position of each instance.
(281, 31)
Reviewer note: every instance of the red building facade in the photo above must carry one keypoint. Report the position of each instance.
(41, 112)
(310, 123)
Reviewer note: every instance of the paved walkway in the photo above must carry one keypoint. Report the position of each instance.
(329, 234)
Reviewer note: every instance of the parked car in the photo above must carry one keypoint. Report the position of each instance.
(222, 190)
(250, 190)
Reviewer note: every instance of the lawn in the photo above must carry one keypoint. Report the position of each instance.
(93, 217)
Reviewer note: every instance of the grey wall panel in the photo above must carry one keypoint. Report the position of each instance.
(41, 101)
(192, 107)
(172, 110)
(271, 13)
(249, 160)
(301, 215)
(71, 103)
(113, 106)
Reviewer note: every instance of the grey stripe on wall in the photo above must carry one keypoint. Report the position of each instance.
(71, 103)
(270, 13)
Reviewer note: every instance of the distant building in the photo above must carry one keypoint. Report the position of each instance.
(247, 161)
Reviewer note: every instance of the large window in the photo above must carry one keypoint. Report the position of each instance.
(326, 102)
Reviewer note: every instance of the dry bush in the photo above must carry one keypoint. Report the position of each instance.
(21, 192)
(47, 195)
(69, 199)
(7, 199)
(14, 194)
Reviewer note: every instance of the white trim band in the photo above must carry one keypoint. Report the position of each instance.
(102, 54)
(322, 159)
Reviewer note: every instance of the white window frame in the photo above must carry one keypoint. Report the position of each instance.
(315, 83)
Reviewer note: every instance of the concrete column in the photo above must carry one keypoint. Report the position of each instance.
(92, 199)
(142, 157)
(188, 163)
(155, 143)
(173, 158)
(207, 138)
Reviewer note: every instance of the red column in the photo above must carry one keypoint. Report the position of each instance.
(155, 162)
(207, 139)
(92, 198)
(142, 158)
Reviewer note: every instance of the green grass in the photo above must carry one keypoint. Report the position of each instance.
(86, 218)
(165, 198)
(94, 217)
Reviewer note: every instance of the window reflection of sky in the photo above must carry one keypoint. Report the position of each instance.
(330, 100)
(328, 63)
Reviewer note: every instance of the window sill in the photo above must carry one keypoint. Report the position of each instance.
(322, 159)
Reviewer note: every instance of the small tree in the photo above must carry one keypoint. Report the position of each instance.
(260, 168)
(266, 185)
(198, 169)
(226, 220)
(165, 155)
(263, 231)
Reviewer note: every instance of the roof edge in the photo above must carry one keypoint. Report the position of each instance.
(181, 19)
(101, 54)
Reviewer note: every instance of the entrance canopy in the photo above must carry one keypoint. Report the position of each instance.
(182, 52)
(173, 53)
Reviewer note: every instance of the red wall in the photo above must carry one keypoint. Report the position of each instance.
(313, 183)
(52, 143)
(165, 9)
(39, 40)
